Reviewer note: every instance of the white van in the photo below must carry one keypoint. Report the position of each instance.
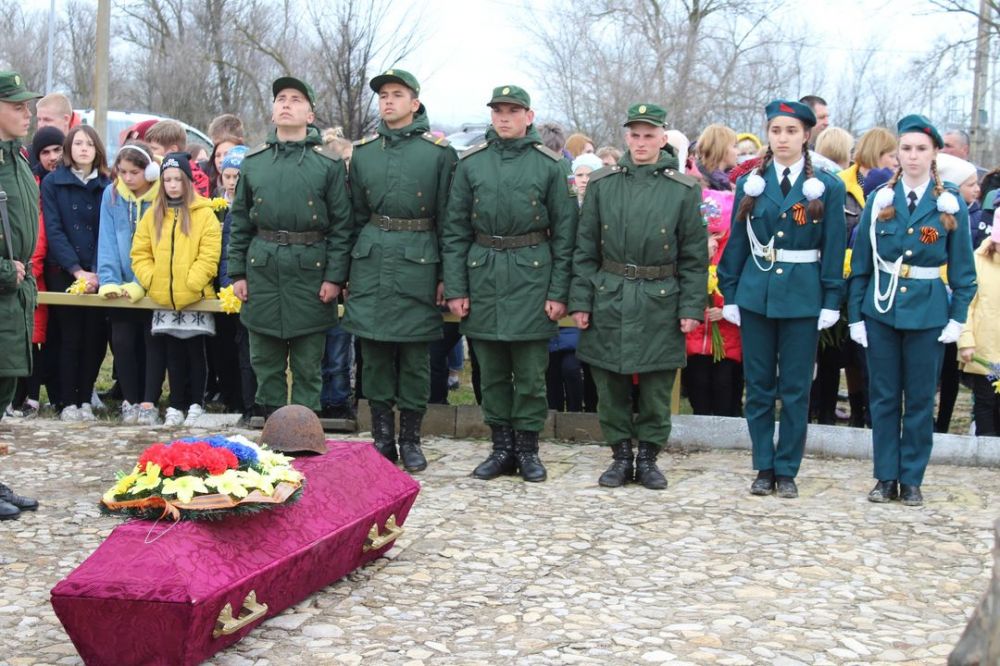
(119, 121)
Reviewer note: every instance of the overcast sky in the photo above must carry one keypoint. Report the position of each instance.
(473, 45)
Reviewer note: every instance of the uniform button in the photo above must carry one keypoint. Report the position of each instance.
(534, 263)
(423, 208)
(310, 203)
(909, 253)
(473, 263)
(909, 231)
(780, 271)
(475, 215)
(663, 231)
(605, 226)
(476, 200)
(903, 289)
(784, 215)
(422, 260)
(537, 217)
(259, 200)
(666, 247)
(252, 261)
(314, 217)
(781, 234)
(318, 264)
(420, 194)
(663, 291)
(534, 203)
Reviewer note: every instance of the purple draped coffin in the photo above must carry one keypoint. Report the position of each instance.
(203, 585)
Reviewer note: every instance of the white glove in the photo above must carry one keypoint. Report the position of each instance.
(827, 318)
(731, 313)
(859, 333)
(951, 332)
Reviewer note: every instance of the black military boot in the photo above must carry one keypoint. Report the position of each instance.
(21, 503)
(384, 432)
(526, 451)
(646, 471)
(409, 441)
(501, 460)
(622, 469)
(8, 511)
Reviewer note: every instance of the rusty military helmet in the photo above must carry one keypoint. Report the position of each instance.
(294, 429)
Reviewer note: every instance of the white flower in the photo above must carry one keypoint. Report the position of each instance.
(753, 186)
(947, 203)
(883, 197)
(813, 188)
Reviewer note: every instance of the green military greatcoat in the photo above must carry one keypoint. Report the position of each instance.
(17, 302)
(401, 174)
(290, 186)
(646, 215)
(509, 187)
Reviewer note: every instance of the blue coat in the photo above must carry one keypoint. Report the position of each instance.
(788, 290)
(919, 304)
(72, 219)
(119, 218)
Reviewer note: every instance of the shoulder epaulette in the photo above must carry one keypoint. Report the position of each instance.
(604, 171)
(327, 154)
(548, 152)
(437, 141)
(364, 140)
(472, 150)
(256, 149)
(675, 175)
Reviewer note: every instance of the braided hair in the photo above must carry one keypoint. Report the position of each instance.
(814, 208)
(889, 212)
(747, 203)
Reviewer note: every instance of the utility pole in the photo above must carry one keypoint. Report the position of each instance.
(979, 126)
(102, 56)
(52, 39)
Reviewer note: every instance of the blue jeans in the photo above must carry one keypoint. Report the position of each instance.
(337, 368)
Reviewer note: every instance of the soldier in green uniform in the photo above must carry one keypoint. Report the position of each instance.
(18, 235)
(507, 250)
(290, 248)
(639, 276)
(399, 180)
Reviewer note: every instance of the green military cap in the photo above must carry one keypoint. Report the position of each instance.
(920, 124)
(396, 76)
(510, 95)
(12, 88)
(297, 84)
(647, 113)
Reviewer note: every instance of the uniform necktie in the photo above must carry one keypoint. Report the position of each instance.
(786, 185)
(912, 196)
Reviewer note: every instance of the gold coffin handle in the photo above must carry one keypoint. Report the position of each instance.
(227, 624)
(374, 541)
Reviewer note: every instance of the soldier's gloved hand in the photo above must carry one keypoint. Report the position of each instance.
(582, 320)
(459, 306)
(859, 333)
(951, 332)
(240, 290)
(731, 313)
(555, 310)
(827, 318)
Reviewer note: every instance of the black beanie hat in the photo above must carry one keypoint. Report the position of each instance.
(180, 161)
(45, 137)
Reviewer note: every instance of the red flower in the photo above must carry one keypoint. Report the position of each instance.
(188, 456)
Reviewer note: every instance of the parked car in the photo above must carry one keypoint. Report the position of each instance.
(119, 121)
(468, 136)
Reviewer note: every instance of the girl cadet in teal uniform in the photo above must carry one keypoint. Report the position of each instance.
(898, 306)
(782, 279)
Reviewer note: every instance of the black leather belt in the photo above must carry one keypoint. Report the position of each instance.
(634, 272)
(511, 242)
(291, 237)
(386, 223)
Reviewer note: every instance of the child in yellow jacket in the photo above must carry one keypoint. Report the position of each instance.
(981, 337)
(175, 255)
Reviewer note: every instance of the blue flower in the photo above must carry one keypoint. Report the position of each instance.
(244, 454)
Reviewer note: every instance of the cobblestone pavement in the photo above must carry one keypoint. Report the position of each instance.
(564, 571)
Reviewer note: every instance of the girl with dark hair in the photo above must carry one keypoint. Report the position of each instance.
(899, 309)
(781, 276)
(71, 203)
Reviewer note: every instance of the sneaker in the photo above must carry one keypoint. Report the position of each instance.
(9, 411)
(174, 418)
(147, 416)
(95, 400)
(194, 413)
(87, 412)
(29, 409)
(454, 383)
(70, 414)
(130, 413)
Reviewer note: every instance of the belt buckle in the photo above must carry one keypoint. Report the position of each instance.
(383, 222)
(904, 271)
(770, 254)
(496, 242)
(631, 272)
(281, 237)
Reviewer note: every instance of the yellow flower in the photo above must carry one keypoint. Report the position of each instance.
(184, 487)
(269, 459)
(996, 385)
(218, 203)
(713, 280)
(230, 304)
(279, 474)
(148, 480)
(847, 263)
(78, 287)
(251, 478)
(125, 482)
(227, 483)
